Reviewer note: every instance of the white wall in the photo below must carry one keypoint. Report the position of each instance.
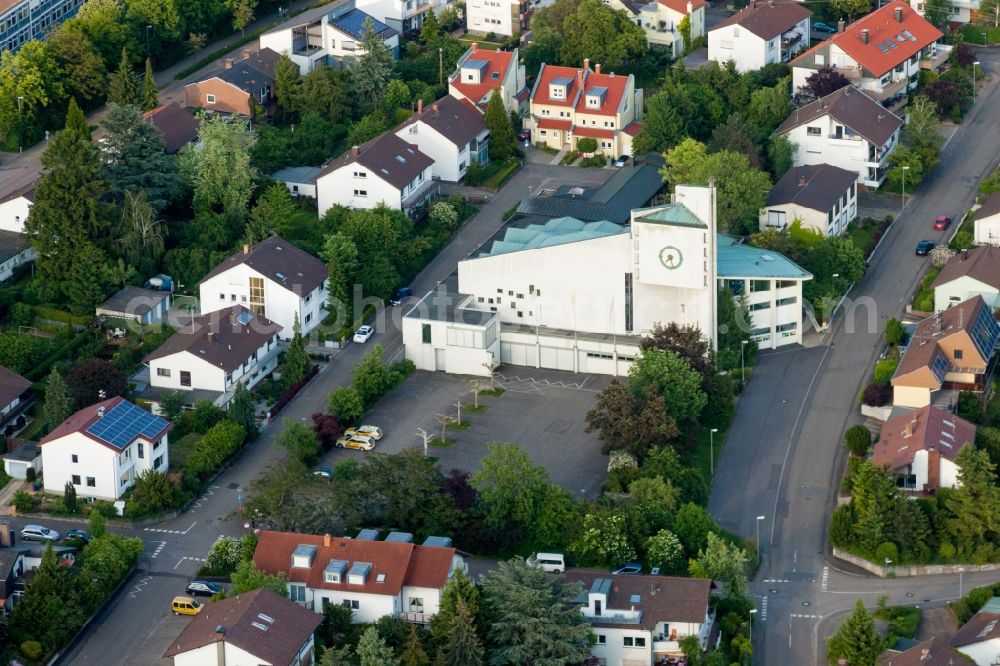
(736, 43)
(13, 213)
(961, 289)
(370, 606)
(849, 154)
(431, 597)
(485, 16)
(7, 268)
(816, 220)
(983, 653)
(338, 187)
(450, 162)
(301, 189)
(456, 359)
(614, 650)
(987, 230)
(204, 375)
(949, 473)
(113, 472)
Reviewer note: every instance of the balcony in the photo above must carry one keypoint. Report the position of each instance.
(889, 90)
(415, 618)
(936, 58)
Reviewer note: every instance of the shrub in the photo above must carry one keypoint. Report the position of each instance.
(841, 527)
(32, 650)
(884, 370)
(894, 333)
(587, 145)
(969, 407)
(887, 551)
(23, 502)
(152, 493)
(30, 475)
(224, 556)
(346, 404)
(327, 428)
(877, 395)
(858, 440)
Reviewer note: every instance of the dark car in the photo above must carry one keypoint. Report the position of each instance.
(78, 535)
(819, 26)
(202, 588)
(630, 569)
(942, 222)
(524, 135)
(923, 247)
(401, 295)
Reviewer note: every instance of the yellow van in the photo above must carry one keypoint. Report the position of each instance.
(185, 606)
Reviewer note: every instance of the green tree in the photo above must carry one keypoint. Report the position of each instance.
(857, 640)
(852, 9)
(586, 144)
(287, 86)
(858, 440)
(413, 650)
(780, 154)
(937, 12)
(684, 27)
(430, 31)
(460, 589)
(153, 493)
(664, 550)
(461, 646)
(80, 63)
(692, 525)
(96, 524)
(510, 486)
(346, 404)
(133, 158)
(220, 170)
(373, 651)
(398, 96)
(671, 376)
(242, 11)
(604, 540)
(296, 362)
(150, 91)
(533, 618)
(373, 70)
(31, 82)
(384, 238)
(975, 502)
(242, 411)
(123, 84)
(48, 611)
(370, 126)
(102, 23)
(723, 562)
(734, 135)
(894, 333)
(271, 215)
(371, 377)
(503, 140)
(662, 127)
(300, 442)
(141, 235)
(326, 93)
(69, 498)
(248, 577)
(600, 33)
(58, 402)
(874, 499)
(341, 255)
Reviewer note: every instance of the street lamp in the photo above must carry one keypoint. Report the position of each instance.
(753, 611)
(148, 28)
(759, 518)
(743, 365)
(961, 570)
(902, 187)
(20, 127)
(887, 563)
(974, 65)
(711, 451)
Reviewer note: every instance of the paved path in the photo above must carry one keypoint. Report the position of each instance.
(784, 455)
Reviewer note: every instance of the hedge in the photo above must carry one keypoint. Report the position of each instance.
(38, 373)
(292, 392)
(61, 316)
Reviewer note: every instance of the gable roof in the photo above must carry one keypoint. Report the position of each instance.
(657, 598)
(456, 120)
(26, 191)
(497, 65)
(681, 6)
(980, 263)
(990, 207)
(224, 338)
(932, 652)
(767, 20)
(396, 563)
(851, 107)
(983, 626)
(923, 429)
(387, 156)
(353, 23)
(262, 623)
(134, 301)
(175, 124)
(817, 186)
(249, 74)
(280, 262)
(115, 423)
(315, 14)
(12, 385)
(12, 243)
(613, 85)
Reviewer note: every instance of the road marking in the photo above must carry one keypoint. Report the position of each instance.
(156, 529)
(795, 560)
(807, 617)
(777, 580)
(825, 580)
(763, 609)
(197, 504)
(141, 584)
(185, 557)
(163, 544)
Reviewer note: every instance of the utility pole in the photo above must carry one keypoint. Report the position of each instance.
(441, 66)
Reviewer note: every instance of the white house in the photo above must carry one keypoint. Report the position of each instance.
(452, 133)
(962, 11)
(921, 446)
(101, 449)
(881, 53)
(822, 197)
(14, 208)
(404, 16)
(272, 279)
(846, 129)
(372, 578)
(760, 34)
(300, 181)
(986, 221)
(931, 652)
(979, 638)
(214, 352)
(500, 17)
(969, 273)
(640, 620)
(326, 36)
(479, 72)
(661, 20)
(386, 170)
(257, 627)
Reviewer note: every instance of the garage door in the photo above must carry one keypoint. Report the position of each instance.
(557, 359)
(439, 360)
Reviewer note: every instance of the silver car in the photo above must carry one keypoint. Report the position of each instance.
(38, 533)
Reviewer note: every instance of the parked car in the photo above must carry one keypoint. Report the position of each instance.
(325, 472)
(38, 533)
(942, 222)
(355, 442)
(202, 588)
(185, 606)
(364, 333)
(369, 431)
(524, 135)
(923, 247)
(621, 161)
(630, 569)
(819, 26)
(78, 535)
(401, 295)
(550, 562)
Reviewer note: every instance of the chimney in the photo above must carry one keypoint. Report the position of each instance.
(899, 14)
(586, 63)
(802, 181)
(327, 540)
(933, 468)
(690, 7)
(864, 35)
(420, 106)
(246, 53)
(354, 151)
(841, 25)
(579, 78)
(100, 412)
(434, 107)
(475, 46)
(229, 63)
(597, 68)
(246, 248)
(220, 645)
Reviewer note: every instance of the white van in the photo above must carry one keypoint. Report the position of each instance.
(549, 562)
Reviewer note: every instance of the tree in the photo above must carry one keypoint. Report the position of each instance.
(598, 32)
(857, 641)
(242, 14)
(102, 23)
(69, 497)
(413, 651)
(461, 646)
(503, 141)
(58, 401)
(93, 380)
(975, 502)
(510, 485)
(242, 411)
(326, 93)
(96, 524)
(899, 179)
(858, 440)
(296, 363)
(123, 85)
(723, 562)
(300, 442)
(150, 91)
(604, 540)
(341, 255)
(822, 82)
(372, 650)
(31, 82)
(287, 86)
(631, 421)
(133, 158)
(81, 65)
(220, 169)
(663, 126)
(141, 234)
(769, 107)
(346, 404)
(373, 70)
(664, 550)
(937, 12)
(685, 340)
(271, 215)
(153, 493)
(894, 333)
(328, 429)
(248, 577)
(692, 525)
(371, 377)
(533, 618)
(780, 154)
(735, 136)
(671, 376)
(460, 589)
(874, 498)
(851, 8)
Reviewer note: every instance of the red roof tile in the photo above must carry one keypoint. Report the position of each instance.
(924, 429)
(769, 20)
(499, 63)
(593, 132)
(615, 85)
(552, 123)
(175, 124)
(681, 6)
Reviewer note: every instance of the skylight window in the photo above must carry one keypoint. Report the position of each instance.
(909, 35)
(400, 159)
(882, 48)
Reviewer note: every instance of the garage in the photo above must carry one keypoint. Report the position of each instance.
(557, 359)
(516, 353)
(439, 362)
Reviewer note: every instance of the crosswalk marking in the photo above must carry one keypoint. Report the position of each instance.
(806, 617)
(763, 609)
(777, 580)
(157, 529)
(826, 576)
(156, 552)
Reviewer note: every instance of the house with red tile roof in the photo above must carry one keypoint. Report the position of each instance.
(175, 125)
(372, 578)
(979, 638)
(920, 447)
(762, 33)
(661, 19)
(569, 103)
(479, 72)
(881, 53)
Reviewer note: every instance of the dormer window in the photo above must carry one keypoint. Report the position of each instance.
(302, 556)
(596, 97)
(334, 571)
(559, 88)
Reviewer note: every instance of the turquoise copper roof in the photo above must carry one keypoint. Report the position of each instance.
(736, 260)
(673, 213)
(554, 232)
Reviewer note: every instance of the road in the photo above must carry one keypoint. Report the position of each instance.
(175, 548)
(785, 453)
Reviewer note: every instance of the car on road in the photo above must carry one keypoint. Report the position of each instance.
(78, 535)
(923, 247)
(630, 569)
(185, 606)
(942, 222)
(524, 135)
(38, 533)
(550, 562)
(363, 334)
(369, 431)
(401, 295)
(325, 472)
(622, 160)
(819, 26)
(202, 588)
(355, 442)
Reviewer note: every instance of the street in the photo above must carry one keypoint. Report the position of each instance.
(785, 462)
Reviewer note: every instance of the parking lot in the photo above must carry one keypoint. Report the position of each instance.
(543, 411)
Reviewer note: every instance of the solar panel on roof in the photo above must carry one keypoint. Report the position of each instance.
(246, 317)
(124, 423)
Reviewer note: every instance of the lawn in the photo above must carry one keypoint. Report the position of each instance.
(181, 449)
(924, 300)
(699, 456)
(496, 173)
(867, 232)
(903, 621)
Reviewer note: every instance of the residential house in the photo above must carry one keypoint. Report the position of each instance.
(762, 33)
(986, 221)
(480, 71)
(15, 206)
(15, 399)
(103, 448)
(661, 20)
(175, 124)
(881, 53)
(11, 569)
(931, 652)
(142, 306)
(920, 447)
(822, 197)
(386, 170)
(952, 349)
(499, 17)
(273, 279)
(846, 129)
(25, 456)
(15, 251)
(640, 620)
(979, 638)
(213, 353)
(969, 273)
(300, 181)
(257, 627)
(24, 20)
(372, 578)
(404, 16)
(569, 103)
(231, 89)
(452, 133)
(327, 36)
(961, 11)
